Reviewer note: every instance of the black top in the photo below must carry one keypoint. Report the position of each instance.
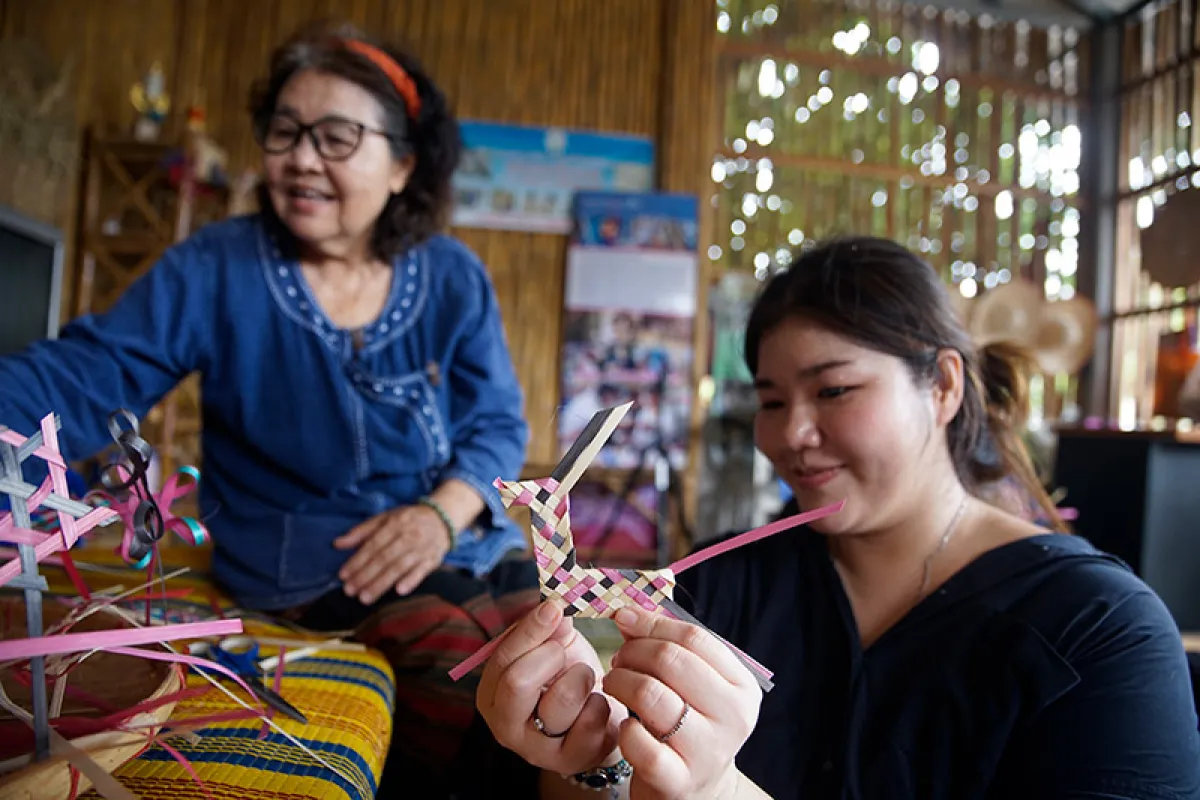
(1043, 669)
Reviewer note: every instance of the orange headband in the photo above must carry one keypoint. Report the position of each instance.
(399, 78)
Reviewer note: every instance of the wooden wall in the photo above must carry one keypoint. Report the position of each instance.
(634, 66)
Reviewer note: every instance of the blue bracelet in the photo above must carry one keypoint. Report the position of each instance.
(601, 778)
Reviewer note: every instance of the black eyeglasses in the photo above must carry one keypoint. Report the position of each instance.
(334, 138)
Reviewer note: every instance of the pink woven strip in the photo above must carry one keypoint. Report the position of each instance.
(480, 656)
(35, 500)
(22, 536)
(54, 544)
(43, 452)
(111, 640)
(754, 535)
(67, 530)
(641, 598)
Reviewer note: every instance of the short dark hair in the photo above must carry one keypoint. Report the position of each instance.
(882, 296)
(433, 137)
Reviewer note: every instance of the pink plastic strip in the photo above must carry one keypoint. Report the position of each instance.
(479, 656)
(183, 762)
(112, 640)
(277, 687)
(754, 535)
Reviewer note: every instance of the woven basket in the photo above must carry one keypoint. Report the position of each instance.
(120, 681)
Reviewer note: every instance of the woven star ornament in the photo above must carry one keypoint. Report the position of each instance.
(600, 591)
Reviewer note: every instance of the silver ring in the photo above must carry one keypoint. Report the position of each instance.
(541, 727)
(678, 724)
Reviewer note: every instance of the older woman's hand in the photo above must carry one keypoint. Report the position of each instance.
(396, 550)
(545, 669)
(696, 705)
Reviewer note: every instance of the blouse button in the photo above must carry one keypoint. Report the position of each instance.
(395, 316)
(291, 291)
(406, 302)
(283, 272)
(383, 327)
(378, 387)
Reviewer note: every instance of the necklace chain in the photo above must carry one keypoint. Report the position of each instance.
(946, 536)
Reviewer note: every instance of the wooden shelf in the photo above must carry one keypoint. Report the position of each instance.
(139, 199)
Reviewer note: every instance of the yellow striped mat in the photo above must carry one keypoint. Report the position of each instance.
(347, 697)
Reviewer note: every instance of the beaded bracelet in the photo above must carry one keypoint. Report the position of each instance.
(433, 505)
(601, 778)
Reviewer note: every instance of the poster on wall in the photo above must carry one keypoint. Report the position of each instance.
(629, 318)
(513, 177)
(1177, 359)
(615, 533)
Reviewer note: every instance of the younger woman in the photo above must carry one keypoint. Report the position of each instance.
(925, 644)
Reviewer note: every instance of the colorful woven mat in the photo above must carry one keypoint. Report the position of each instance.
(347, 697)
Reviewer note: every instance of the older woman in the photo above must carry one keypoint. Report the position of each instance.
(358, 393)
(925, 644)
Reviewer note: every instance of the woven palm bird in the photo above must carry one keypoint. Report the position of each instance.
(599, 591)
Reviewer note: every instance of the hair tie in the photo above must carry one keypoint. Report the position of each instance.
(396, 73)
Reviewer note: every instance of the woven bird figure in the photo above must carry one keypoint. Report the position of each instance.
(583, 592)
(600, 592)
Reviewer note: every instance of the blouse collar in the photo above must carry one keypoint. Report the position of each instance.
(405, 303)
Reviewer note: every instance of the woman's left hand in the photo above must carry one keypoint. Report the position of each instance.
(396, 550)
(697, 704)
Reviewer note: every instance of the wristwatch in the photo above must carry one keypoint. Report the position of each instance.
(601, 778)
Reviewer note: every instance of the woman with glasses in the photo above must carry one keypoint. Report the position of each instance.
(359, 397)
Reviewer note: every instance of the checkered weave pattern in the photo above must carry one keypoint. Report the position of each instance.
(582, 591)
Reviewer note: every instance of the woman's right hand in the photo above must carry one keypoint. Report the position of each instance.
(544, 667)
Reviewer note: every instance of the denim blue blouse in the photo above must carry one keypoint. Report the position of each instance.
(308, 429)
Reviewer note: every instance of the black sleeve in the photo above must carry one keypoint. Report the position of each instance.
(1128, 729)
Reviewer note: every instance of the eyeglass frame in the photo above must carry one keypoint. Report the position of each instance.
(309, 129)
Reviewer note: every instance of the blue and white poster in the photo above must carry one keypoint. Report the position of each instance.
(630, 311)
(525, 178)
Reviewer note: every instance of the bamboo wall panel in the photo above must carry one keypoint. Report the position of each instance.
(630, 66)
(958, 154)
(956, 135)
(1159, 158)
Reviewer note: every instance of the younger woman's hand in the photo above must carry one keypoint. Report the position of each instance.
(696, 705)
(546, 669)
